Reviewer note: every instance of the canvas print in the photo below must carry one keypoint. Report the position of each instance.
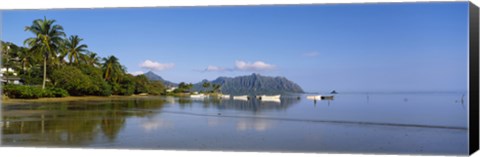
(382, 78)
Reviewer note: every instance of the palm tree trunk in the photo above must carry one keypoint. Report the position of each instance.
(23, 67)
(44, 71)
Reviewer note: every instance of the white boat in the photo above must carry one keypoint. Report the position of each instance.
(225, 96)
(314, 97)
(198, 96)
(267, 97)
(271, 100)
(241, 97)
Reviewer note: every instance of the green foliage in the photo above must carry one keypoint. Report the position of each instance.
(22, 92)
(74, 48)
(142, 84)
(80, 83)
(183, 87)
(156, 88)
(32, 76)
(100, 86)
(126, 86)
(32, 92)
(206, 85)
(47, 39)
(112, 69)
(54, 92)
(216, 88)
(43, 62)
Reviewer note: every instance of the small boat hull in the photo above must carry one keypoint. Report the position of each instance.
(314, 97)
(242, 97)
(267, 97)
(327, 97)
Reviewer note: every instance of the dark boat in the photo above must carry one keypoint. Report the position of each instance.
(333, 92)
(327, 97)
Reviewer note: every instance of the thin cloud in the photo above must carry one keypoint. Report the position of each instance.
(255, 66)
(215, 68)
(156, 66)
(311, 54)
(242, 66)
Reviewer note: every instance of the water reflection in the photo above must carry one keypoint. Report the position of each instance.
(252, 105)
(70, 123)
(258, 125)
(82, 122)
(151, 125)
(383, 121)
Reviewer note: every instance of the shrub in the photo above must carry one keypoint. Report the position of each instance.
(71, 79)
(23, 92)
(55, 92)
(80, 81)
(47, 93)
(156, 88)
(32, 92)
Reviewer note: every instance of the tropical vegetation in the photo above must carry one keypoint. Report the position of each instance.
(50, 64)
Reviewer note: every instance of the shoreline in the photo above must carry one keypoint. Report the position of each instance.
(12, 101)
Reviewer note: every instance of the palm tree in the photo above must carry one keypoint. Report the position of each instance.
(112, 68)
(206, 85)
(74, 48)
(25, 57)
(91, 58)
(48, 37)
(62, 53)
(216, 87)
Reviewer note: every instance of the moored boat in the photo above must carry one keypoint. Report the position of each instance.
(265, 97)
(224, 96)
(314, 97)
(327, 97)
(240, 97)
(272, 100)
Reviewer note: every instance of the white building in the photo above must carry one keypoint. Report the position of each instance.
(10, 79)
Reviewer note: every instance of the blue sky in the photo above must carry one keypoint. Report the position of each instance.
(347, 47)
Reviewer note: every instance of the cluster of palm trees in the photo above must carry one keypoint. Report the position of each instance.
(215, 87)
(50, 47)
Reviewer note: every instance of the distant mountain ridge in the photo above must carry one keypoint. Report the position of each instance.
(253, 84)
(154, 77)
(243, 85)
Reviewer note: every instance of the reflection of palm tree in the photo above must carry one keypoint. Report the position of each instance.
(112, 124)
(103, 118)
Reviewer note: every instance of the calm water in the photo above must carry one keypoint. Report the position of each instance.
(416, 123)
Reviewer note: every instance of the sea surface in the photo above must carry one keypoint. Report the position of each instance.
(380, 123)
